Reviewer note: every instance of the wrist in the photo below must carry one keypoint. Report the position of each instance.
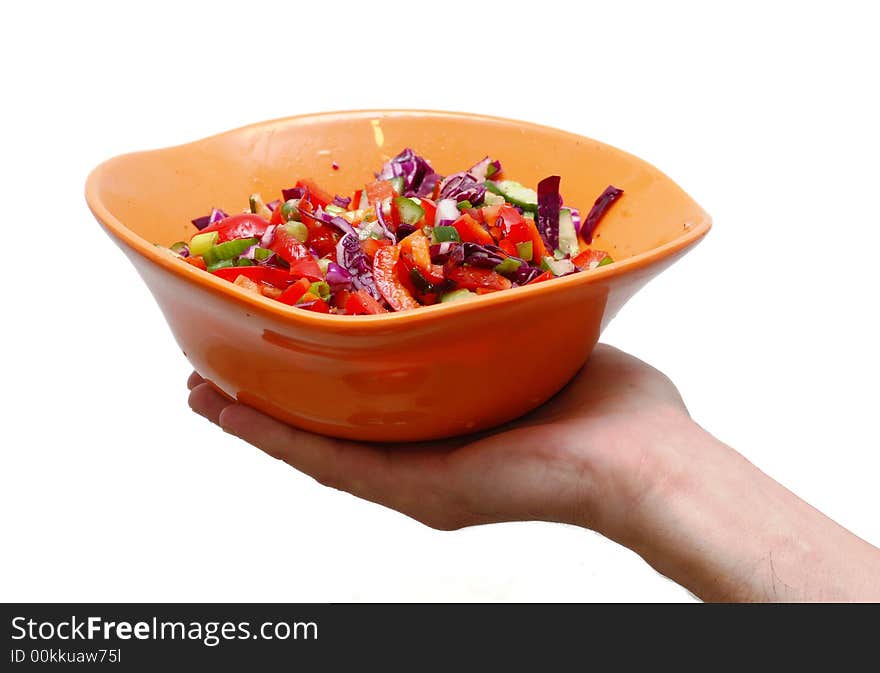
(713, 522)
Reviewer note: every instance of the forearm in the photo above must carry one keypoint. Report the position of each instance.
(719, 526)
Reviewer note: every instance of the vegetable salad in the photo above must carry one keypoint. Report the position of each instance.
(411, 238)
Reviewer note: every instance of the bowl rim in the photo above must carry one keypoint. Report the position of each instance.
(692, 233)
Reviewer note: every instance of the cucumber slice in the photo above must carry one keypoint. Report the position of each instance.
(455, 295)
(515, 193)
(397, 183)
(568, 240)
(410, 211)
(559, 267)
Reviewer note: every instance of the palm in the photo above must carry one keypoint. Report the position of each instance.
(595, 435)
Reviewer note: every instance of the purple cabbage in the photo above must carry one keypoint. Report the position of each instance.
(380, 218)
(440, 251)
(485, 256)
(336, 275)
(603, 203)
(524, 274)
(206, 220)
(293, 193)
(549, 203)
(575, 218)
(404, 230)
(351, 257)
(419, 178)
(342, 201)
(463, 187)
(326, 218)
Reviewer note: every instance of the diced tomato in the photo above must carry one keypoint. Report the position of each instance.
(356, 199)
(293, 294)
(379, 191)
(363, 303)
(469, 230)
(547, 275)
(287, 247)
(385, 276)
(316, 195)
(316, 304)
(430, 209)
(322, 238)
(307, 267)
(340, 298)
(276, 216)
(244, 225)
(589, 259)
(471, 278)
(371, 245)
(198, 261)
(259, 274)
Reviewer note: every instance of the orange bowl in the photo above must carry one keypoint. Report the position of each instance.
(433, 372)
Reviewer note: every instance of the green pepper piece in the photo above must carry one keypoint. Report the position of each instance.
(222, 264)
(445, 233)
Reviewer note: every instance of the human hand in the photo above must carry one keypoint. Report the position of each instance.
(614, 451)
(586, 457)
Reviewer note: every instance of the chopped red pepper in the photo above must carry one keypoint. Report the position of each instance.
(316, 195)
(293, 294)
(589, 259)
(547, 275)
(469, 230)
(389, 285)
(259, 274)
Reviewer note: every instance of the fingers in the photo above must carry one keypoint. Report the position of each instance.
(194, 380)
(415, 482)
(206, 401)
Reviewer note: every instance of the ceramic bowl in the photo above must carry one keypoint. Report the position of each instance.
(434, 372)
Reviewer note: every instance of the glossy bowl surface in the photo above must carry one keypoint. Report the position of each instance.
(433, 372)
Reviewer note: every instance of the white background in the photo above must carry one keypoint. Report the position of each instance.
(112, 490)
